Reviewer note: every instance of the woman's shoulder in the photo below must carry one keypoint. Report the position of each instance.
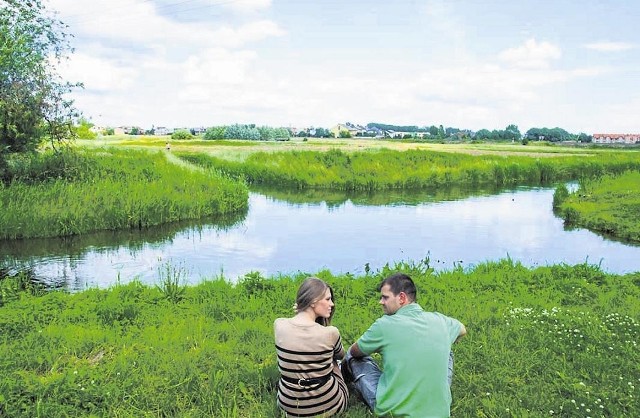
(332, 330)
(280, 322)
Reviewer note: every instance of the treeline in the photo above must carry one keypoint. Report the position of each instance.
(249, 132)
(510, 133)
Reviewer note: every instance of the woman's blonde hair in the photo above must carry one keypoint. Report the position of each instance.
(310, 291)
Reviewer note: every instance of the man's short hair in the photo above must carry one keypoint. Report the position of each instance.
(400, 282)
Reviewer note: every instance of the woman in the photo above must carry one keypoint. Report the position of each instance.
(308, 348)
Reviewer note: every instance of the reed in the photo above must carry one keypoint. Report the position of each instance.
(108, 189)
(389, 169)
(555, 338)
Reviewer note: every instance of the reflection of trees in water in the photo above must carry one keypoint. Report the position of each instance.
(334, 198)
(133, 239)
(568, 226)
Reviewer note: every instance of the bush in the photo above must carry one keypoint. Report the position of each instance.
(181, 134)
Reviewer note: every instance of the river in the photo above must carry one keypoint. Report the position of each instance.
(284, 233)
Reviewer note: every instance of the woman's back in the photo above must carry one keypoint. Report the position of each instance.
(310, 383)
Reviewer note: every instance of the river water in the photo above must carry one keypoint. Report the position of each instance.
(285, 233)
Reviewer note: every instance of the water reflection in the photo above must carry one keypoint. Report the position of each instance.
(287, 232)
(393, 197)
(74, 262)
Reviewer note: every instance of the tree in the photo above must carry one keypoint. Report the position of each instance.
(584, 137)
(32, 93)
(512, 133)
(322, 133)
(483, 134)
(215, 132)
(83, 130)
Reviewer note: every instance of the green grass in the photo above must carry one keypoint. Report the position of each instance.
(609, 204)
(104, 189)
(558, 338)
(380, 169)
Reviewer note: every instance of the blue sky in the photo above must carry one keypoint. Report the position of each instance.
(461, 63)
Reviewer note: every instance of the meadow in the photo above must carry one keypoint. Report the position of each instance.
(549, 341)
(84, 190)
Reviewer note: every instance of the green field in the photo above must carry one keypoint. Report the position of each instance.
(549, 341)
(73, 193)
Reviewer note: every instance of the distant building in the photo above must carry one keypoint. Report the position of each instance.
(354, 130)
(163, 130)
(616, 138)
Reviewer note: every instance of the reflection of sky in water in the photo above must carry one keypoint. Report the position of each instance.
(281, 237)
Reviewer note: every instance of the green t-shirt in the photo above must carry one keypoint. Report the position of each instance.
(415, 347)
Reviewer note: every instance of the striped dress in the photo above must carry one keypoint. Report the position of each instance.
(307, 351)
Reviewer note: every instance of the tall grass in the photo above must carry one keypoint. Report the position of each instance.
(610, 204)
(388, 169)
(558, 338)
(108, 189)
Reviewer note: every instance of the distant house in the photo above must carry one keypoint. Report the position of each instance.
(354, 130)
(162, 130)
(404, 134)
(616, 138)
(374, 132)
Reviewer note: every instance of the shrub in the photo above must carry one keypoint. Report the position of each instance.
(181, 134)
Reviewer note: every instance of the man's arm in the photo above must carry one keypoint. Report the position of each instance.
(463, 332)
(355, 351)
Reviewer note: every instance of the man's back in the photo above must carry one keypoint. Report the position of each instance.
(415, 347)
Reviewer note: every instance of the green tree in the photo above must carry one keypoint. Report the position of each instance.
(32, 93)
(267, 133)
(584, 137)
(215, 132)
(322, 133)
(512, 133)
(83, 129)
(282, 134)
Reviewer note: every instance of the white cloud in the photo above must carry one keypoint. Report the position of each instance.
(531, 55)
(218, 66)
(250, 32)
(139, 24)
(248, 6)
(605, 46)
(98, 74)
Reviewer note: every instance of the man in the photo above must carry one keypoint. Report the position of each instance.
(416, 354)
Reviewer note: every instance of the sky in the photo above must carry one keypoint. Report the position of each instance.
(467, 64)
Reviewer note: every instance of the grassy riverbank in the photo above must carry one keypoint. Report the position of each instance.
(609, 204)
(381, 169)
(559, 340)
(76, 192)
